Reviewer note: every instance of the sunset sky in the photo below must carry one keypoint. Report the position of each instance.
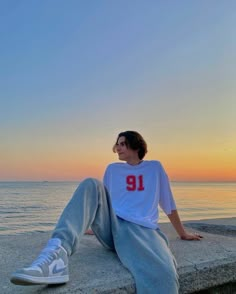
(73, 74)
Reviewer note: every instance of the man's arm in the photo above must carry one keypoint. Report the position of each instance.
(176, 222)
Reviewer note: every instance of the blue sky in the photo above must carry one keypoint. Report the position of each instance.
(74, 73)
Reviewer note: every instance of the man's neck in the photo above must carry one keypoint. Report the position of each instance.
(134, 161)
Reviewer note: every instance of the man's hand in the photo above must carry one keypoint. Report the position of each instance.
(191, 237)
(177, 224)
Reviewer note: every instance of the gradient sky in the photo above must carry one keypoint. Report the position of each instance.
(73, 74)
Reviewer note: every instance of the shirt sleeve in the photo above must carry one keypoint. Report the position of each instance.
(166, 202)
(106, 177)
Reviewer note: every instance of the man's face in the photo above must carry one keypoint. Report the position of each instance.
(125, 153)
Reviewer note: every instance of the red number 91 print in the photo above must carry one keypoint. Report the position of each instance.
(134, 183)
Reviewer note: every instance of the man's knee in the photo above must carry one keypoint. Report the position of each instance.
(90, 186)
(90, 182)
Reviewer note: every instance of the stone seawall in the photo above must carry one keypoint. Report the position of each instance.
(207, 266)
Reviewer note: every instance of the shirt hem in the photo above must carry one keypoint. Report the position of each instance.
(137, 222)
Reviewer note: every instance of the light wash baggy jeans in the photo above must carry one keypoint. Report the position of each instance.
(145, 252)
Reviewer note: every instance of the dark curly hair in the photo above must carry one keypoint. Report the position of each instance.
(134, 141)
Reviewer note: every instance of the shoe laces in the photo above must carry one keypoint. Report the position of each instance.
(49, 253)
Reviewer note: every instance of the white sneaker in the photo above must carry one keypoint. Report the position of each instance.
(51, 267)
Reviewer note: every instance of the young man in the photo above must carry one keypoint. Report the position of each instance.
(123, 214)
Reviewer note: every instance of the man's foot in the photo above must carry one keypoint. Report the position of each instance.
(51, 267)
(89, 232)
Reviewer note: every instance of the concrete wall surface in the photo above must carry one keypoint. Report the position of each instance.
(202, 265)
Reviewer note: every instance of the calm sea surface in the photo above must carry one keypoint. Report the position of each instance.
(36, 206)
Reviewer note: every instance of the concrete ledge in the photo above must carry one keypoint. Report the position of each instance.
(226, 230)
(201, 265)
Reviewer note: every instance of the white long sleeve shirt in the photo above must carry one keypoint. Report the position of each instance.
(137, 190)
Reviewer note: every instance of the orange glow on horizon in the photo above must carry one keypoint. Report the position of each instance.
(201, 168)
(76, 170)
(71, 166)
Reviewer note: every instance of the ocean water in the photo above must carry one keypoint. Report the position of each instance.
(36, 206)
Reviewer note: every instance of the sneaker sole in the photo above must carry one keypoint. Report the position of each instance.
(25, 280)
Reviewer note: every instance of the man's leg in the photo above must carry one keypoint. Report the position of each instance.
(146, 254)
(89, 206)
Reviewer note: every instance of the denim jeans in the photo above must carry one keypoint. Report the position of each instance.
(144, 251)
